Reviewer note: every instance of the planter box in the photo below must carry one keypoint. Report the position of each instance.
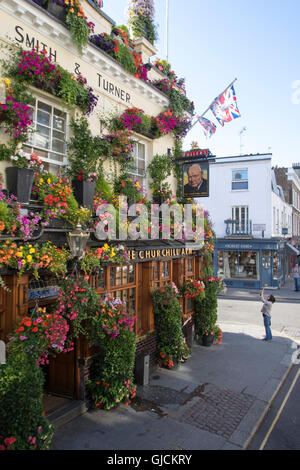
(56, 10)
(19, 182)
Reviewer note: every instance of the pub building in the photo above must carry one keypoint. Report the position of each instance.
(152, 263)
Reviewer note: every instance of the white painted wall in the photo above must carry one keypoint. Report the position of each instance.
(258, 196)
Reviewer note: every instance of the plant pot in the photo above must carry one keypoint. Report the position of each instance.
(19, 182)
(117, 151)
(84, 192)
(207, 340)
(2, 115)
(56, 10)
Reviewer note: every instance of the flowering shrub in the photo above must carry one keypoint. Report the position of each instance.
(94, 257)
(141, 19)
(35, 68)
(23, 425)
(112, 330)
(193, 289)
(205, 315)
(18, 117)
(134, 119)
(168, 318)
(42, 334)
(76, 302)
(33, 257)
(106, 43)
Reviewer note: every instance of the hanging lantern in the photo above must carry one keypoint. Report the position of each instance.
(77, 240)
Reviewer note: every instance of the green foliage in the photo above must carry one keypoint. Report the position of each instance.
(124, 185)
(78, 29)
(112, 371)
(21, 409)
(179, 103)
(177, 151)
(143, 27)
(159, 169)
(125, 58)
(85, 150)
(205, 315)
(104, 189)
(168, 320)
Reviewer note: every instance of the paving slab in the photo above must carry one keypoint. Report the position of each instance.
(215, 400)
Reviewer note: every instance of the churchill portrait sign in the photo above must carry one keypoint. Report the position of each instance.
(195, 179)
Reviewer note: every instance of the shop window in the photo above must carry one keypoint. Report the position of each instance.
(121, 275)
(275, 265)
(161, 273)
(238, 264)
(239, 179)
(49, 140)
(189, 266)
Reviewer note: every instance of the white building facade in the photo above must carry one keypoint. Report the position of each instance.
(251, 220)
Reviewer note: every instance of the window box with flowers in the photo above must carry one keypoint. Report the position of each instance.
(71, 13)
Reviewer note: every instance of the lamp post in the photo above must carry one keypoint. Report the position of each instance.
(77, 240)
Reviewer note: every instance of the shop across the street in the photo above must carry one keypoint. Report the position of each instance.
(250, 263)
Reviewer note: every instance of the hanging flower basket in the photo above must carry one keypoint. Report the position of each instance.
(117, 151)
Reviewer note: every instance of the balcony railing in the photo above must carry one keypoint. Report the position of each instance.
(238, 228)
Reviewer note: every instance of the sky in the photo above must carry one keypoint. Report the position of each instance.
(210, 43)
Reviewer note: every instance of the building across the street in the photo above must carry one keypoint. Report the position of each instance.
(252, 221)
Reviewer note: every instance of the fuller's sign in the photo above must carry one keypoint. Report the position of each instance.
(196, 153)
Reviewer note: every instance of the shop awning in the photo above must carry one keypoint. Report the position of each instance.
(292, 249)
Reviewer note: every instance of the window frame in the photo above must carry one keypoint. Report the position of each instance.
(134, 172)
(53, 104)
(239, 180)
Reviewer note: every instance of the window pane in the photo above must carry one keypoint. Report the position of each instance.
(131, 273)
(43, 118)
(239, 185)
(44, 107)
(58, 146)
(55, 156)
(239, 175)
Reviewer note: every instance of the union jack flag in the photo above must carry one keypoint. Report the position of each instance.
(225, 107)
(209, 127)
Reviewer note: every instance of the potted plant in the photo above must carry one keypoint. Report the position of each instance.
(20, 176)
(84, 161)
(168, 318)
(205, 314)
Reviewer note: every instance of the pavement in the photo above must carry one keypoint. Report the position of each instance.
(214, 401)
(282, 294)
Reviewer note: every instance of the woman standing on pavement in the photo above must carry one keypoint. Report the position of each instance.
(266, 311)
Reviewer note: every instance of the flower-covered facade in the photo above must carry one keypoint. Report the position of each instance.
(81, 120)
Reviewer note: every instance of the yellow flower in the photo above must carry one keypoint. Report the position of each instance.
(19, 254)
(32, 250)
(49, 180)
(41, 181)
(105, 247)
(29, 258)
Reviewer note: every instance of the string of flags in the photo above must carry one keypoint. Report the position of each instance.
(224, 108)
